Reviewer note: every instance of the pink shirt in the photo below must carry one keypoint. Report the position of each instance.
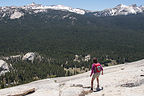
(93, 68)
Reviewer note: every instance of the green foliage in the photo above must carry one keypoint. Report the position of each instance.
(24, 72)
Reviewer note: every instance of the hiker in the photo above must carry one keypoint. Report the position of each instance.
(96, 69)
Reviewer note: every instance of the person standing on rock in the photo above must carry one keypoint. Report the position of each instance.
(96, 69)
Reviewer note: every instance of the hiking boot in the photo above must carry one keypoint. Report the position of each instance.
(97, 88)
(91, 89)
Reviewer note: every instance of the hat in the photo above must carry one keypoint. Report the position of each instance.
(95, 60)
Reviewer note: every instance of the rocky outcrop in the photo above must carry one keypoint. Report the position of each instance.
(79, 58)
(3, 67)
(31, 56)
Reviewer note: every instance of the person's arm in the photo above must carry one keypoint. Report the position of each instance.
(92, 70)
(102, 72)
(101, 69)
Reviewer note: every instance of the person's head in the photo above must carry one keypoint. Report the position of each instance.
(94, 60)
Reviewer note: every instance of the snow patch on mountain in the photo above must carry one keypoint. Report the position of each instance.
(16, 15)
(14, 12)
(38, 11)
(62, 8)
(40, 8)
(123, 9)
(65, 16)
(120, 10)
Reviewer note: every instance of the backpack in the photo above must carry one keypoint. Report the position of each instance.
(98, 67)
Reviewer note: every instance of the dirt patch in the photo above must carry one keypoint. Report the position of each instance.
(129, 85)
(83, 93)
(135, 84)
(87, 87)
(77, 85)
(80, 85)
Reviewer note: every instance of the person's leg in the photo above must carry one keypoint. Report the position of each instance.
(92, 80)
(92, 83)
(97, 82)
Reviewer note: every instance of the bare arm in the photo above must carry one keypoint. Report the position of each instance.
(102, 69)
(92, 70)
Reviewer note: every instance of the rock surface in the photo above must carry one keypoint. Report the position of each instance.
(3, 67)
(29, 56)
(119, 80)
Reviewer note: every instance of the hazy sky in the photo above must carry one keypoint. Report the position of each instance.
(84, 4)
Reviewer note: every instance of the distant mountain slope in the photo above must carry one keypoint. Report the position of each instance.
(119, 80)
(14, 12)
(53, 33)
(121, 10)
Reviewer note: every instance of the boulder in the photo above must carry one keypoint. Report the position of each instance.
(3, 67)
(29, 56)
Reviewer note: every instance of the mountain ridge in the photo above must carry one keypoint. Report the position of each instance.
(15, 12)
